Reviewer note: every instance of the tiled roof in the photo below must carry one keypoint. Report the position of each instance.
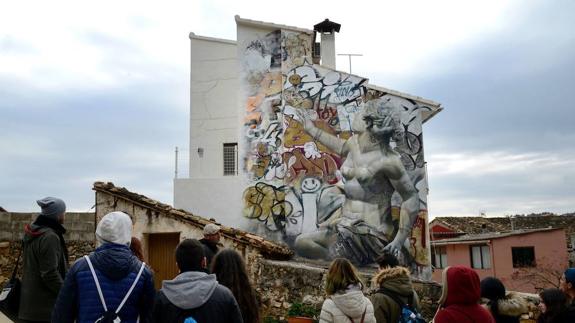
(268, 249)
(476, 224)
(490, 236)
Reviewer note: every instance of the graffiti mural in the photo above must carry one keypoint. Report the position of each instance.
(332, 167)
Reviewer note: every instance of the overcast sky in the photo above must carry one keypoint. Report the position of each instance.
(99, 91)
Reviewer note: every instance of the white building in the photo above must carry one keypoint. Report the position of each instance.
(214, 188)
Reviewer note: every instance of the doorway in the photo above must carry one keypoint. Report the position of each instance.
(161, 255)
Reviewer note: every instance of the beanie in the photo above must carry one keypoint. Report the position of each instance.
(51, 207)
(115, 227)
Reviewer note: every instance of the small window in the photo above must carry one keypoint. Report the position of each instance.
(230, 158)
(480, 257)
(316, 50)
(523, 257)
(439, 257)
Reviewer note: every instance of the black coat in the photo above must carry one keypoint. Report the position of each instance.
(220, 308)
(43, 272)
(210, 250)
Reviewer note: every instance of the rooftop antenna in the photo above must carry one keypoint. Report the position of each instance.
(349, 56)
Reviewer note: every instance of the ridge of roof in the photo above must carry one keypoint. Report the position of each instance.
(215, 39)
(434, 107)
(258, 23)
(491, 235)
(269, 249)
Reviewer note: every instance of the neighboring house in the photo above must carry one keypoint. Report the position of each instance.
(525, 260)
(451, 227)
(161, 227)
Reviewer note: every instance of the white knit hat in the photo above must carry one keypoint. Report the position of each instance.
(115, 227)
(211, 228)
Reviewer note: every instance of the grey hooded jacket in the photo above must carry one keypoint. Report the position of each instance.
(197, 295)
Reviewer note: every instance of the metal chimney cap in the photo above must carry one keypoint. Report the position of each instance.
(327, 26)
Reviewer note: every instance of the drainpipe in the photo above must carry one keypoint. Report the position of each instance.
(492, 259)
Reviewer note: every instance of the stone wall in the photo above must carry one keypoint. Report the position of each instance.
(79, 237)
(281, 283)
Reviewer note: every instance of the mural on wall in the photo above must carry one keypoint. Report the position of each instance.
(333, 167)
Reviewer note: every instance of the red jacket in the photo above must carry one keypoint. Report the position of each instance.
(460, 297)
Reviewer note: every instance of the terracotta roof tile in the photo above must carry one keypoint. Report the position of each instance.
(267, 248)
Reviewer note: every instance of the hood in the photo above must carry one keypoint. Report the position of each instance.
(32, 231)
(512, 305)
(114, 260)
(190, 289)
(395, 279)
(352, 303)
(460, 286)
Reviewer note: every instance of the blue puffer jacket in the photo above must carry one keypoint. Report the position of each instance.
(116, 269)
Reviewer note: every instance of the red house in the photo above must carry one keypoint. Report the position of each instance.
(525, 260)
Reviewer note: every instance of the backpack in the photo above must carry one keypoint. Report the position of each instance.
(111, 316)
(408, 314)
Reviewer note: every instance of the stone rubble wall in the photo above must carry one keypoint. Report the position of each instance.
(281, 283)
(79, 237)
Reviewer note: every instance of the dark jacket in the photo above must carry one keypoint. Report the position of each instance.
(395, 281)
(459, 298)
(116, 268)
(508, 309)
(43, 272)
(198, 295)
(567, 316)
(211, 248)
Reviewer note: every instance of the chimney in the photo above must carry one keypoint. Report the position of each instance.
(327, 29)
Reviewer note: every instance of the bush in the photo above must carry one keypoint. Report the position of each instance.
(299, 309)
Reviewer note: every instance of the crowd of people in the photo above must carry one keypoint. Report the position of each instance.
(113, 284)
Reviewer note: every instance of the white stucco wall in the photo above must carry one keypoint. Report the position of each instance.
(213, 122)
(213, 104)
(217, 198)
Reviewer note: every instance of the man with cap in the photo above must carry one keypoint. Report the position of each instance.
(567, 285)
(45, 260)
(211, 242)
(123, 279)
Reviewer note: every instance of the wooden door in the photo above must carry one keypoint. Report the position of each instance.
(161, 255)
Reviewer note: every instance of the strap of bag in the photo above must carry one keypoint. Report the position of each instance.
(100, 290)
(17, 261)
(362, 316)
(97, 283)
(131, 288)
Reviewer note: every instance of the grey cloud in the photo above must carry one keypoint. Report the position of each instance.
(11, 46)
(124, 135)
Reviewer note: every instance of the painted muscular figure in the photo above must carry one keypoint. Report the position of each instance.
(372, 171)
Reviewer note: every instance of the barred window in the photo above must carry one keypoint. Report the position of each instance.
(230, 159)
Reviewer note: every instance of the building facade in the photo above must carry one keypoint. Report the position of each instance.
(524, 260)
(278, 144)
